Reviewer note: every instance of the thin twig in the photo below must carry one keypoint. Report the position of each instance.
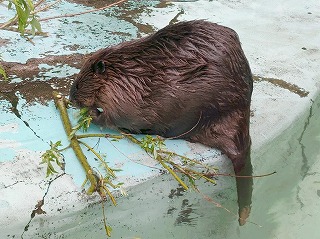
(172, 173)
(38, 3)
(110, 195)
(14, 29)
(209, 199)
(45, 7)
(10, 22)
(187, 159)
(85, 12)
(113, 136)
(99, 157)
(105, 220)
(239, 176)
(153, 167)
(187, 132)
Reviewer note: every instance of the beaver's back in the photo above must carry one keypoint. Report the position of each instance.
(186, 69)
(169, 80)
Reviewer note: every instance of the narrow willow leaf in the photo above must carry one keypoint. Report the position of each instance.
(3, 73)
(108, 230)
(22, 19)
(155, 153)
(35, 24)
(30, 4)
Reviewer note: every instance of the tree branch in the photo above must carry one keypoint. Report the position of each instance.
(60, 104)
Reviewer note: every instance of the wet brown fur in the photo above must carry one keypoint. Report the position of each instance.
(190, 79)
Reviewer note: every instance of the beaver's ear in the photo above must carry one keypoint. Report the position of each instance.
(99, 67)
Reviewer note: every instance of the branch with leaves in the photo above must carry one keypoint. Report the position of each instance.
(173, 162)
(187, 172)
(27, 22)
(26, 15)
(104, 184)
(97, 182)
(153, 146)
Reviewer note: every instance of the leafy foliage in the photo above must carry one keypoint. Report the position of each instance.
(191, 170)
(52, 155)
(152, 144)
(83, 123)
(35, 25)
(25, 15)
(174, 163)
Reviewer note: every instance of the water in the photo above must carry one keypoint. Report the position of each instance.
(286, 203)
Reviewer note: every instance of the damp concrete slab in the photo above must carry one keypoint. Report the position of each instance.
(281, 41)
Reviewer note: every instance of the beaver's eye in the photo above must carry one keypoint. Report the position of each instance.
(99, 67)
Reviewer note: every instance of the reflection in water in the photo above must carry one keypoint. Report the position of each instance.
(185, 214)
(244, 190)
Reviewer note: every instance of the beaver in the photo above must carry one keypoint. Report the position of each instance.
(189, 80)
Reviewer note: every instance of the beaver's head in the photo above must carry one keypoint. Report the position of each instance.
(87, 87)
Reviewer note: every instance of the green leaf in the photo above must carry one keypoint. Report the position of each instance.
(155, 153)
(35, 25)
(84, 120)
(52, 155)
(108, 230)
(3, 73)
(51, 168)
(22, 18)
(30, 4)
(24, 9)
